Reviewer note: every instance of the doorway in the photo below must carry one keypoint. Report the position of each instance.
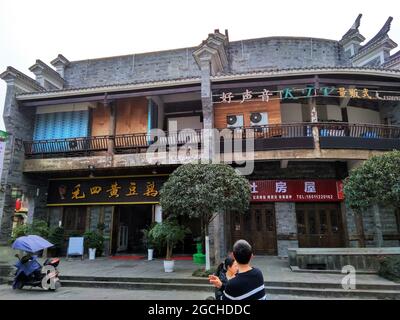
(128, 221)
(319, 225)
(258, 227)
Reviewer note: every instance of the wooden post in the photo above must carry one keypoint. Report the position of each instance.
(112, 128)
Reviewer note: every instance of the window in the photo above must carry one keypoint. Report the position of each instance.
(74, 220)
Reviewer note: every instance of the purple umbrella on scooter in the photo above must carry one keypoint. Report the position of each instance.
(29, 271)
(31, 243)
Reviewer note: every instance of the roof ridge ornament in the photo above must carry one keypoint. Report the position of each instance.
(20, 79)
(213, 49)
(353, 33)
(382, 32)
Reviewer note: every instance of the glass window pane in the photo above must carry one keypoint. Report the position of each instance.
(269, 220)
(335, 221)
(301, 227)
(323, 226)
(258, 219)
(312, 223)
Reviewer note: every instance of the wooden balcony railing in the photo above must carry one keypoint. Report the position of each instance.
(81, 146)
(358, 136)
(269, 137)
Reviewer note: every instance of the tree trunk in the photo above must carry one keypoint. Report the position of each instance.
(358, 219)
(378, 226)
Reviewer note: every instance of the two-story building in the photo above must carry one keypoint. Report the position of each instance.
(81, 131)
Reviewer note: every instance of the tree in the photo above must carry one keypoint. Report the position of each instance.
(203, 191)
(375, 183)
(167, 234)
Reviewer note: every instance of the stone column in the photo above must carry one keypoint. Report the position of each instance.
(19, 124)
(314, 119)
(286, 227)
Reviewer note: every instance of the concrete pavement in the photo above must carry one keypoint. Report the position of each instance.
(6, 293)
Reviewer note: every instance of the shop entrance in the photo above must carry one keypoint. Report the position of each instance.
(258, 227)
(128, 221)
(319, 225)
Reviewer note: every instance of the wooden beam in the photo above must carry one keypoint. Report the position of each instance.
(110, 96)
(284, 164)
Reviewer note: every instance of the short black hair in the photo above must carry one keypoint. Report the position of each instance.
(242, 251)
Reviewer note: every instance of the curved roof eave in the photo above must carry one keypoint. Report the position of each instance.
(390, 73)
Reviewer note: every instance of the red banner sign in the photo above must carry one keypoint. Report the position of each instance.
(296, 190)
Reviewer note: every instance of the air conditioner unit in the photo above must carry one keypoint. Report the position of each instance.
(234, 121)
(258, 118)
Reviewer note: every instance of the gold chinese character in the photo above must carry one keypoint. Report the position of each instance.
(365, 94)
(76, 192)
(114, 190)
(342, 92)
(151, 190)
(95, 190)
(132, 189)
(353, 93)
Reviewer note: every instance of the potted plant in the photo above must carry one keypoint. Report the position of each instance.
(56, 237)
(168, 234)
(95, 242)
(148, 242)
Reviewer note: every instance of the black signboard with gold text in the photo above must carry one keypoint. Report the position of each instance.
(105, 190)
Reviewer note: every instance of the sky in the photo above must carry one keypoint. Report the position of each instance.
(85, 29)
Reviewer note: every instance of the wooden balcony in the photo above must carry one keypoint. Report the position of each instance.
(269, 137)
(358, 136)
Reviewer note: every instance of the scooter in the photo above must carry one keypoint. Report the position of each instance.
(30, 273)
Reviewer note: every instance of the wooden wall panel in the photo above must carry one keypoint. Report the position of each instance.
(131, 116)
(100, 121)
(222, 110)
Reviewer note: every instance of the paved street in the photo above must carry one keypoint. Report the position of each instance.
(64, 293)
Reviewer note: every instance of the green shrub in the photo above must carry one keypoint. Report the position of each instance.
(56, 237)
(94, 239)
(37, 227)
(203, 273)
(390, 268)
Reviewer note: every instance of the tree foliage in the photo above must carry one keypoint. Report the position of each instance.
(376, 181)
(37, 227)
(201, 190)
(167, 234)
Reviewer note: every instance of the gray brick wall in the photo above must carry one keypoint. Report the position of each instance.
(286, 227)
(284, 52)
(244, 56)
(19, 124)
(389, 226)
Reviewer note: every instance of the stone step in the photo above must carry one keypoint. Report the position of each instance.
(297, 291)
(196, 280)
(282, 290)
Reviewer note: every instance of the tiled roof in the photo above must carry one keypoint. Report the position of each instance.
(116, 87)
(41, 64)
(20, 75)
(220, 77)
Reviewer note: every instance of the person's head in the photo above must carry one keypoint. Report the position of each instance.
(242, 251)
(231, 265)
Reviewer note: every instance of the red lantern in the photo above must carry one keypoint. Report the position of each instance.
(18, 204)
